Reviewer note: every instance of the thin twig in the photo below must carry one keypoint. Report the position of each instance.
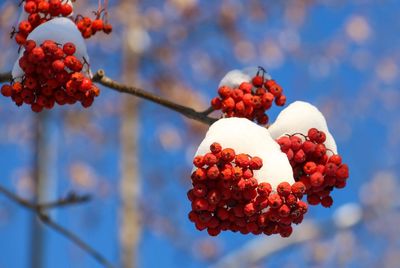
(76, 240)
(38, 210)
(203, 117)
(70, 199)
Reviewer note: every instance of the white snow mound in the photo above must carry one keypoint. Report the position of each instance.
(246, 137)
(299, 117)
(60, 30)
(234, 78)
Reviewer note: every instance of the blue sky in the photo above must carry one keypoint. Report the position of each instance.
(341, 57)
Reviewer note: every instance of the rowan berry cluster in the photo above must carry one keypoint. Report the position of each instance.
(313, 167)
(227, 196)
(251, 99)
(52, 74)
(40, 11)
(89, 27)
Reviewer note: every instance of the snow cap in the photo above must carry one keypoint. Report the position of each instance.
(299, 117)
(60, 30)
(246, 137)
(234, 78)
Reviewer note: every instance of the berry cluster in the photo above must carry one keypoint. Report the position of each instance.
(227, 196)
(250, 100)
(89, 27)
(313, 167)
(52, 74)
(40, 11)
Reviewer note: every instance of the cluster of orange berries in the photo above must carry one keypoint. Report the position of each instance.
(89, 27)
(250, 100)
(52, 74)
(40, 11)
(227, 196)
(313, 167)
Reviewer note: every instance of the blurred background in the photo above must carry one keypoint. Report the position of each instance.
(134, 157)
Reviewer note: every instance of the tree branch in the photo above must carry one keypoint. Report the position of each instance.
(38, 210)
(100, 77)
(5, 77)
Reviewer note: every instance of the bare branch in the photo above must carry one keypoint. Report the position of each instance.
(5, 77)
(76, 240)
(203, 117)
(38, 210)
(71, 199)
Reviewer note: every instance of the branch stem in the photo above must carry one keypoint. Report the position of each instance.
(38, 209)
(101, 78)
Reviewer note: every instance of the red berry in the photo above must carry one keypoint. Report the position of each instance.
(58, 65)
(214, 231)
(216, 103)
(298, 189)
(284, 211)
(342, 172)
(284, 189)
(25, 27)
(309, 168)
(30, 7)
(65, 10)
(227, 155)
(97, 25)
(198, 161)
(20, 38)
(313, 199)
(256, 163)
(281, 100)
(257, 81)
(274, 201)
(336, 159)
(200, 204)
(316, 179)
(228, 104)
(327, 201)
(246, 87)
(264, 189)
(107, 28)
(69, 49)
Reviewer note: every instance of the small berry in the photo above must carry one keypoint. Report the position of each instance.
(107, 28)
(257, 81)
(327, 201)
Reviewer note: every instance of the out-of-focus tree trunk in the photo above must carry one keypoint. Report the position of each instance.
(40, 181)
(129, 184)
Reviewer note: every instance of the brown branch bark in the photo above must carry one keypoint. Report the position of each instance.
(100, 77)
(69, 200)
(5, 77)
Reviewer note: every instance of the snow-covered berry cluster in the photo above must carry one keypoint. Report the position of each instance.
(53, 64)
(252, 179)
(37, 12)
(249, 99)
(313, 167)
(52, 75)
(227, 196)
